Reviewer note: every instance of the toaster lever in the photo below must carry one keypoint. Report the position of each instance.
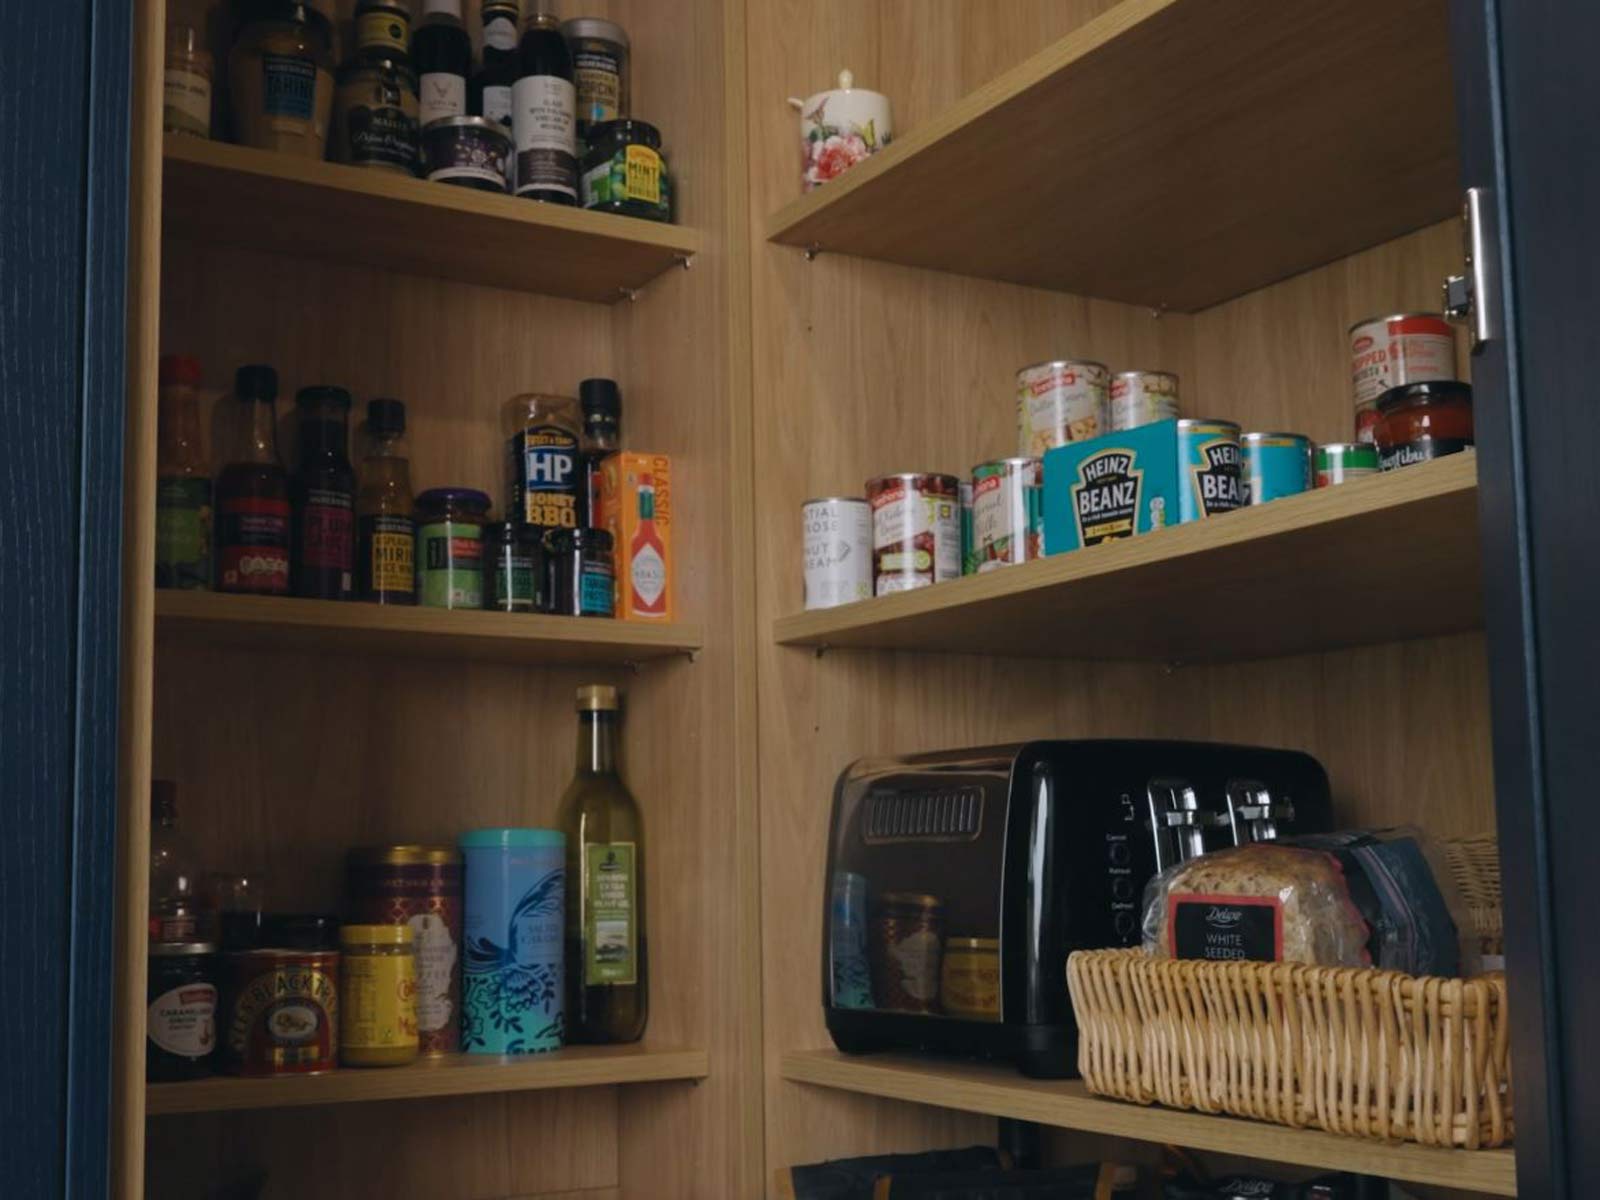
(1178, 822)
(1254, 813)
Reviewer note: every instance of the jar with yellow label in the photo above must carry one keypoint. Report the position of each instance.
(623, 172)
(379, 996)
(971, 984)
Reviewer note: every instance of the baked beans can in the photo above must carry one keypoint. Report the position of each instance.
(1007, 512)
(417, 886)
(1208, 469)
(916, 531)
(1389, 352)
(282, 1012)
(1273, 465)
(1060, 402)
(838, 550)
(1142, 398)
(1340, 462)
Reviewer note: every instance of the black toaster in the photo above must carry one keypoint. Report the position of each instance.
(958, 882)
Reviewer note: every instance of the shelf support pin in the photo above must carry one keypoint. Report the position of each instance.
(684, 260)
(812, 250)
(631, 665)
(1158, 312)
(692, 655)
(822, 648)
(629, 294)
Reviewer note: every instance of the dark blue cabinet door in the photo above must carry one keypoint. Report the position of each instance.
(64, 107)
(1528, 98)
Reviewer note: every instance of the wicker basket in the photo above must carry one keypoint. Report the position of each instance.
(1352, 1050)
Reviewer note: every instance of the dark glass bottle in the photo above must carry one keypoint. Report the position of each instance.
(324, 495)
(544, 107)
(442, 52)
(602, 436)
(608, 991)
(490, 89)
(253, 494)
(387, 535)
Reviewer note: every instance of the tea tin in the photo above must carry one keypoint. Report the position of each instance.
(1272, 465)
(969, 983)
(1208, 469)
(1007, 512)
(907, 945)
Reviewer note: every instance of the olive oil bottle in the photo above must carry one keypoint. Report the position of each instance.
(608, 994)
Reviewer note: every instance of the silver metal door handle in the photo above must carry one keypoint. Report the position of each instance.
(1469, 298)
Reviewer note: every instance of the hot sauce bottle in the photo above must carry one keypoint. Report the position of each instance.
(647, 557)
(324, 495)
(386, 555)
(253, 495)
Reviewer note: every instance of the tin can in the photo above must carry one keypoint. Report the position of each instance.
(512, 982)
(916, 531)
(1060, 402)
(1273, 465)
(420, 887)
(378, 992)
(1386, 352)
(1007, 512)
(970, 978)
(1208, 469)
(969, 557)
(1339, 462)
(1142, 398)
(847, 941)
(282, 1012)
(838, 549)
(907, 945)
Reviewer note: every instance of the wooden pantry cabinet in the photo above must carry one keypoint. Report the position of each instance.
(1212, 187)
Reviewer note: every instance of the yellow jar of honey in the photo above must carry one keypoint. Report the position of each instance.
(378, 994)
(970, 983)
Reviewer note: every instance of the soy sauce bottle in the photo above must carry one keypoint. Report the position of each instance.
(544, 114)
(253, 494)
(324, 494)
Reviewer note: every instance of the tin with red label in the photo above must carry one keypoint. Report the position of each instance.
(1007, 512)
(1060, 402)
(916, 530)
(282, 1012)
(1388, 352)
(1142, 398)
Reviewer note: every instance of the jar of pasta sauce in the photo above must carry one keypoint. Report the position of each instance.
(1422, 421)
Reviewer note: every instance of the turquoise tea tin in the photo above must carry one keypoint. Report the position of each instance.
(512, 933)
(1272, 465)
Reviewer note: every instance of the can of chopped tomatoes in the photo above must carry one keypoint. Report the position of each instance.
(1388, 352)
(916, 530)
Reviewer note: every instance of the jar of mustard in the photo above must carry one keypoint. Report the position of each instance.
(280, 76)
(970, 986)
(379, 996)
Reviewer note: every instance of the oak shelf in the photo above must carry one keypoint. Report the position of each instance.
(238, 196)
(1171, 153)
(332, 627)
(1382, 559)
(998, 1090)
(452, 1075)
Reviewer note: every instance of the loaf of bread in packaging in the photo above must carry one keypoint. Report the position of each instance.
(1265, 902)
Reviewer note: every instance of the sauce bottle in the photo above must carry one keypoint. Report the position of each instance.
(183, 481)
(602, 437)
(443, 53)
(324, 496)
(386, 557)
(543, 462)
(491, 87)
(253, 494)
(544, 110)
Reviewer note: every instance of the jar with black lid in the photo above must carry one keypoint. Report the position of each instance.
(375, 109)
(181, 1020)
(623, 171)
(582, 572)
(450, 525)
(515, 557)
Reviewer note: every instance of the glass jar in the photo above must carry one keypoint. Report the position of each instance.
(280, 75)
(181, 1022)
(377, 996)
(450, 525)
(1422, 421)
(623, 171)
(582, 572)
(599, 71)
(186, 85)
(516, 560)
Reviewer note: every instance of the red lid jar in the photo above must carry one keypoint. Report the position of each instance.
(1422, 421)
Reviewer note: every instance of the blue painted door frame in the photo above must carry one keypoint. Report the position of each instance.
(64, 107)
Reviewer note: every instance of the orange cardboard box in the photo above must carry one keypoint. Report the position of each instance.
(636, 508)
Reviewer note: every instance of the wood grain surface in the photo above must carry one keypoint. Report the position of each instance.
(1172, 153)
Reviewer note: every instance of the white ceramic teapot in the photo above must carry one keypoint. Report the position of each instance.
(839, 128)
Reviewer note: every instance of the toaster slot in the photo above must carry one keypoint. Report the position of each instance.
(1177, 822)
(1254, 812)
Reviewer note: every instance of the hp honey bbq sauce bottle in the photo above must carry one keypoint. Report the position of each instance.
(608, 995)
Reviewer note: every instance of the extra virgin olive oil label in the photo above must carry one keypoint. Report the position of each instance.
(1226, 928)
(611, 921)
(544, 476)
(543, 115)
(388, 551)
(183, 533)
(253, 541)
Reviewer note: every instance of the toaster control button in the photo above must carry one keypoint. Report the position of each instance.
(1119, 853)
(1122, 888)
(1123, 923)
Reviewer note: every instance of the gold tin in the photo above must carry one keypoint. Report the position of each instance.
(970, 980)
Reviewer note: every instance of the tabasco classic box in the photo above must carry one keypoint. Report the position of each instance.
(636, 509)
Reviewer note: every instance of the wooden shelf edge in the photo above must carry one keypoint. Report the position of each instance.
(997, 1090)
(455, 1075)
(1455, 476)
(358, 628)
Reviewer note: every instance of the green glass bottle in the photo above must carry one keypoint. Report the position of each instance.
(608, 993)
